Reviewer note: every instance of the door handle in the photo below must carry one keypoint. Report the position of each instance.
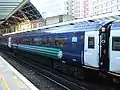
(85, 50)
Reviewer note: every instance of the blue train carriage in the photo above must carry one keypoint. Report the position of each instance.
(96, 41)
(109, 52)
(114, 49)
(64, 42)
(74, 42)
(93, 45)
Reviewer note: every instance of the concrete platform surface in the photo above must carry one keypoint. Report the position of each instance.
(11, 79)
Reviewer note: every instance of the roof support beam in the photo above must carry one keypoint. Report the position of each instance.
(15, 10)
(9, 2)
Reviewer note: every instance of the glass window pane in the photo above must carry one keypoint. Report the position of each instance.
(91, 42)
(116, 43)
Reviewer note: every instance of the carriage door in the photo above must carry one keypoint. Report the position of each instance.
(115, 51)
(91, 49)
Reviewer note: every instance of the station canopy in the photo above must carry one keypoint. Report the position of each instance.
(17, 11)
(8, 7)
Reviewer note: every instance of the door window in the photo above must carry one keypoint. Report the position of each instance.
(91, 42)
(116, 43)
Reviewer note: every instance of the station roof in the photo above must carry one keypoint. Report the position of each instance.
(25, 11)
(9, 7)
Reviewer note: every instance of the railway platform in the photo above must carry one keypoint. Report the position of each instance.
(11, 79)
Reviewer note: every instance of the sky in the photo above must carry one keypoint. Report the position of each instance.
(45, 6)
(40, 4)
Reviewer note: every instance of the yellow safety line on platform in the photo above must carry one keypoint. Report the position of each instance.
(90, 67)
(114, 74)
(4, 82)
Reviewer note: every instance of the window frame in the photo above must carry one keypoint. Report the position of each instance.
(115, 49)
(91, 46)
(59, 40)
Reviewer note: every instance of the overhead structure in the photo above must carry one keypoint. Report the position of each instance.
(9, 7)
(14, 12)
(108, 16)
(29, 11)
(24, 13)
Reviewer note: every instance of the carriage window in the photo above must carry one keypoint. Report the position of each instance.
(91, 42)
(44, 41)
(37, 41)
(116, 43)
(30, 41)
(26, 41)
(60, 41)
(51, 41)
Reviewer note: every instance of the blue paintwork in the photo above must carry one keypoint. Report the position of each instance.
(115, 26)
(71, 53)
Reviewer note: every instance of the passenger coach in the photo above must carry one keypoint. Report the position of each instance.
(93, 45)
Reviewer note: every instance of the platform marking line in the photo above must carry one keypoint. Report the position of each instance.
(4, 82)
(115, 74)
(21, 77)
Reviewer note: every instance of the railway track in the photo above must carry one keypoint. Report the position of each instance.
(66, 84)
(64, 81)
